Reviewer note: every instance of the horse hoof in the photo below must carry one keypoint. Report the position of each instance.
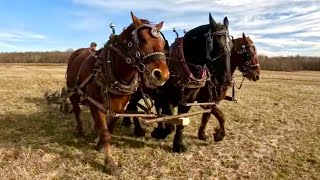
(139, 132)
(158, 133)
(179, 148)
(202, 136)
(218, 136)
(78, 133)
(111, 166)
(126, 122)
(99, 146)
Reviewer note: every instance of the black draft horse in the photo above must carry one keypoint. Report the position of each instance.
(202, 50)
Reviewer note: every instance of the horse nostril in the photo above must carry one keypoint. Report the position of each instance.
(157, 74)
(257, 77)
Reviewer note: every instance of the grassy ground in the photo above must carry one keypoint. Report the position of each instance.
(273, 132)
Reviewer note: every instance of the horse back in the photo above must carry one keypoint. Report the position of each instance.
(76, 64)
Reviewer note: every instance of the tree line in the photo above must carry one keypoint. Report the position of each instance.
(279, 63)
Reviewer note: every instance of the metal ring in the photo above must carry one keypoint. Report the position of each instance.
(246, 63)
(155, 32)
(128, 60)
(137, 54)
(141, 67)
(243, 46)
(130, 44)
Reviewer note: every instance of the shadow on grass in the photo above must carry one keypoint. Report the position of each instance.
(51, 130)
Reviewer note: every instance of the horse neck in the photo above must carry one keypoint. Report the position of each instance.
(123, 70)
(194, 48)
(235, 58)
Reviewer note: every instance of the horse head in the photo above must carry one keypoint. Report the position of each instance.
(248, 62)
(219, 50)
(146, 48)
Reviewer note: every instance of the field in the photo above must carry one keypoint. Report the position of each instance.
(273, 132)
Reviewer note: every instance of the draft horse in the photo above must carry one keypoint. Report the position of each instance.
(201, 50)
(105, 81)
(243, 57)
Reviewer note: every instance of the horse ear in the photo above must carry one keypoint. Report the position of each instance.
(212, 22)
(226, 22)
(243, 37)
(136, 21)
(159, 26)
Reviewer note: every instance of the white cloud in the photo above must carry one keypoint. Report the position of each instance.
(277, 27)
(12, 39)
(20, 35)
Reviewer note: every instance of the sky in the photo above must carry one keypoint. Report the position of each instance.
(277, 27)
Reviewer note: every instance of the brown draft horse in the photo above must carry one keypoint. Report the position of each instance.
(105, 81)
(244, 57)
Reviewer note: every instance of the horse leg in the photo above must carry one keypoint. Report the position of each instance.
(138, 130)
(105, 138)
(112, 123)
(126, 122)
(219, 132)
(163, 129)
(202, 129)
(132, 106)
(75, 99)
(178, 144)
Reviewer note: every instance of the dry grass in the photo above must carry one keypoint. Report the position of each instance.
(273, 132)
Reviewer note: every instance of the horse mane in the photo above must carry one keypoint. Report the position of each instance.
(201, 30)
(194, 43)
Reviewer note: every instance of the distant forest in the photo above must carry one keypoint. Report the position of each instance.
(290, 63)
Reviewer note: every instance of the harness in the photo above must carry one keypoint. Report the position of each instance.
(186, 79)
(209, 47)
(182, 73)
(103, 74)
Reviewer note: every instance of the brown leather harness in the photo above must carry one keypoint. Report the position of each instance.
(103, 74)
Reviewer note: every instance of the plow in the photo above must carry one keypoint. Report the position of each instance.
(58, 98)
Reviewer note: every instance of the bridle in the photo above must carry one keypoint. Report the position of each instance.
(129, 50)
(133, 57)
(247, 56)
(226, 50)
(209, 43)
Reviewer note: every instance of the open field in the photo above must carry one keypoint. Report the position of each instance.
(273, 132)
